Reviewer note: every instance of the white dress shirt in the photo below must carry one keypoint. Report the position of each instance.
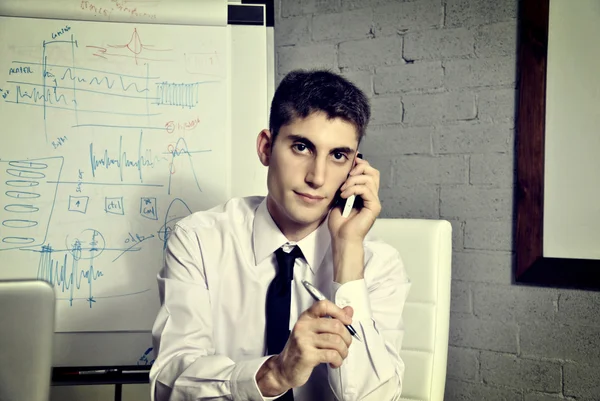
(210, 330)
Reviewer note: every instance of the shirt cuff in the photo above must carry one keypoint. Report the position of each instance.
(355, 294)
(243, 380)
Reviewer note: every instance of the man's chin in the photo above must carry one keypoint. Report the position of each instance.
(308, 217)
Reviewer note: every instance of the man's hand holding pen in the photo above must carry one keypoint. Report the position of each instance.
(315, 339)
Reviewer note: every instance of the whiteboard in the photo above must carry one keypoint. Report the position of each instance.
(113, 132)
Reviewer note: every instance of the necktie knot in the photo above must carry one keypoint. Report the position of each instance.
(285, 262)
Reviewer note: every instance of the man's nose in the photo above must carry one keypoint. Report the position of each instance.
(316, 172)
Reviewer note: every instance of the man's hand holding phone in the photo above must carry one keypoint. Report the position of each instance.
(347, 233)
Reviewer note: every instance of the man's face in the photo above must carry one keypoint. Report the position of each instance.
(309, 160)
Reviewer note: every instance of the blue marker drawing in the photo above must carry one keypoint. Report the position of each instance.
(177, 210)
(172, 94)
(134, 240)
(29, 201)
(146, 359)
(114, 205)
(78, 203)
(105, 184)
(74, 268)
(65, 274)
(178, 150)
(106, 161)
(61, 86)
(148, 208)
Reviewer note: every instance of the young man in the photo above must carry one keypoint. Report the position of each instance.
(236, 323)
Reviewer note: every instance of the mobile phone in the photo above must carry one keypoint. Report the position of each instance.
(353, 201)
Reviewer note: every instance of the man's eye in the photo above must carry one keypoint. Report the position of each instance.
(339, 155)
(300, 147)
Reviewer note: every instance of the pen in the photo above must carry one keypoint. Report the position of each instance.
(318, 296)
(93, 372)
(106, 371)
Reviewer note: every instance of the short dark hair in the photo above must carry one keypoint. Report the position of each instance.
(302, 93)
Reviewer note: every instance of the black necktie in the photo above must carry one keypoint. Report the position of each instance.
(279, 298)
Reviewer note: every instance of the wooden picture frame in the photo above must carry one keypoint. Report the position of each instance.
(532, 267)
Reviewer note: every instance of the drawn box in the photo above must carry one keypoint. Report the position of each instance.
(148, 208)
(114, 205)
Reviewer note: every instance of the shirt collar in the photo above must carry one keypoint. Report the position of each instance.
(267, 238)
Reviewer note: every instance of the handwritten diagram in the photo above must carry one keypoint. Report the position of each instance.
(134, 49)
(114, 136)
(28, 200)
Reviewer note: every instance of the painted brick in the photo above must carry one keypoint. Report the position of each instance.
(468, 137)
(347, 25)
(400, 17)
(496, 169)
(371, 52)
(301, 7)
(489, 335)
(480, 72)
(496, 40)
(417, 169)
(438, 43)
(408, 77)
(386, 110)
(544, 397)
(468, 202)
(362, 79)
(479, 12)
(307, 57)
(291, 31)
(429, 109)
(514, 303)
(385, 166)
(489, 235)
(508, 370)
(496, 104)
(488, 267)
(396, 140)
(579, 308)
(462, 363)
(458, 234)
(460, 299)
(464, 391)
(356, 4)
(419, 201)
(582, 380)
(579, 343)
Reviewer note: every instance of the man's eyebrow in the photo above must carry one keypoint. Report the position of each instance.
(310, 145)
(342, 149)
(303, 139)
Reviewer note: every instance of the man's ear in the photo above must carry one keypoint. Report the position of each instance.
(264, 146)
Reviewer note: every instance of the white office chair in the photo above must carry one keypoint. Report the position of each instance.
(425, 247)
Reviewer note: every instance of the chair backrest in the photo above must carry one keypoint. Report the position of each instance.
(26, 337)
(425, 247)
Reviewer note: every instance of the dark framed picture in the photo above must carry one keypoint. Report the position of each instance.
(557, 238)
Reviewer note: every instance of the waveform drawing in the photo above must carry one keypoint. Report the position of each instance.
(30, 187)
(172, 94)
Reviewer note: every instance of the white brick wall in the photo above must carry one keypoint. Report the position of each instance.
(441, 76)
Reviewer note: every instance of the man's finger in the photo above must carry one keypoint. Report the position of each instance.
(327, 308)
(332, 357)
(332, 341)
(334, 327)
